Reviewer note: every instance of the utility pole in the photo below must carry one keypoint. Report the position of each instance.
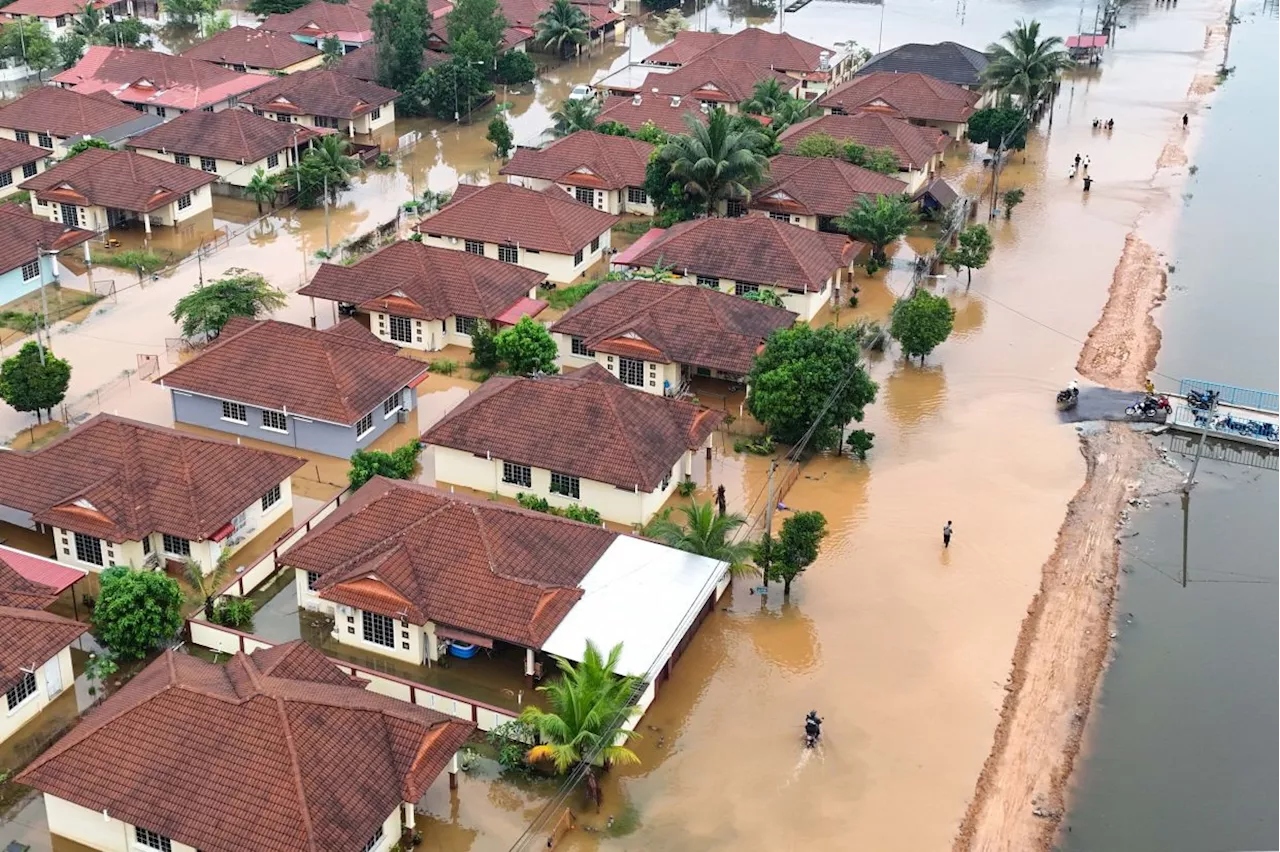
(768, 518)
(1186, 524)
(327, 248)
(1204, 433)
(44, 303)
(1226, 48)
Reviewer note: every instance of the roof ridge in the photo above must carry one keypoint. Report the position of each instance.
(305, 811)
(617, 416)
(189, 485)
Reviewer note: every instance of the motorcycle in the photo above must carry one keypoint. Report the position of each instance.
(1202, 400)
(812, 730)
(1149, 408)
(1068, 398)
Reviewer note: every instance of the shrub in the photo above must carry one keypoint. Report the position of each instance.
(514, 68)
(512, 740)
(686, 487)
(135, 259)
(533, 502)
(236, 613)
(383, 161)
(444, 366)
(859, 442)
(761, 446)
(397, 464)
(566, 297)
(484, 347)
(587, 515)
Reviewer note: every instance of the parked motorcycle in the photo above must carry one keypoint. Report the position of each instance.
(1068, 398)
(1203, 400)
(1149, 408)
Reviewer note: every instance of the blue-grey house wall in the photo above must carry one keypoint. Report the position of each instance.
(318, 436)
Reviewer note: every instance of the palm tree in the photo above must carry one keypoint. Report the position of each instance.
(714, 161)
(765, 97)
(262, 188)
(788, 112)
(588, 706)
(878, 223)
(329, 155)
(563, 26)
(1025, 65)
(88, 23)
(574, 116)
(706, 533)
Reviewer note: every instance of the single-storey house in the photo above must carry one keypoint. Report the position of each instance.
(405, 570)
(547, 231)
(313, 23)
(426, 297)
(606, 172)
(683, 331)
(22, 265)
(750, 253)
(35, 656)
(937, 196)
(256, 51)
(279, 750)
(918, 149)
(49, 116)
(814, 67)
(914, 97)
(711, 82)
(232, 145)
(813, 191)
(332, 391)
(325, 99)
(592, 437)
(157, 83)
(57, 16)
(100, 190)
(19, 161)
(603, 20)
(947, 61)
(363, 63)
(120, 492)
(663, 112)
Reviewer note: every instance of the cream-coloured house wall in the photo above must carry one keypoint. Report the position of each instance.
(559, 268)
(613, 504)
(613, 201)
(94, 218)
(229, 171)
(361, 124)
(304, 65)
(806, 305)
(16, 177)
(658, 376)
(422, 638)
(58, 144)
(810, 222)
(12, 720)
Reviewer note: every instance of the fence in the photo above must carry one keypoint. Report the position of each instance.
(245, 582)
(1231, 395)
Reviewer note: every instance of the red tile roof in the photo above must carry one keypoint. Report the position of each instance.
(51, 8)
(585, 158)
(657, 109)
(410, 279)
(14, 154)
(362, 63)
(512, 215)
(21, 231)
(232, 134)
(32, 637)
(62, 112)
(709, 78)
(121, 179)
(19, 591)
(51, 576)
(914, 146)
(911, 96)
(337, 375)
(347, 22)
(320, 92)
(121, 480)
(481, 566)
(684, 47)
(683, 325)
(819, 186)
(585, 424)
(751, 249)
(139, 76)
(230, 758)
(524, 14)
(254, 48)
(783, 51)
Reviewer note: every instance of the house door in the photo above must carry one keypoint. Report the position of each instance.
(116, 218)
(52, 678)
(70, 215)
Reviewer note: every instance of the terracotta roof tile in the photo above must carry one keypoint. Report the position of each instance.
(32, 637)
(255, 48)
(525, 13)
(586, 424)
(348, 22)
(19, 592)
(337, 375)
(120, 480)
(752, 249)
(51, 8)
(946, 61)
(508, 214)
(783, 51)
(426, 282)
(362, 63)
(709, 78)
(136, 75)
(279, 764)
(914, 146)
(321, 92)
(21, 230)
(485, 567)
(820, 186)
(62, 112)
(14, 154)
(232, 134)
(651, 108)
(616, 161)
(687, 325)
(911, 96)
(684, 47)
(120, 179)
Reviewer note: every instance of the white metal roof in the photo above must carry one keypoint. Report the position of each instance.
(641, 594)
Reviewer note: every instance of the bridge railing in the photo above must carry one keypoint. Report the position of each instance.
(1232, 395)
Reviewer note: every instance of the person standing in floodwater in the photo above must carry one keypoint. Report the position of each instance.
(946, 535)
(1077, 161)
(1184, 121)
(1087, 182)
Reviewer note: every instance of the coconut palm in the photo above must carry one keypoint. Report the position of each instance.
(583, 728)
(713, 161)
(765, 97)
(562, 26)
(1025, 65)
(788, 112)
(88, 23)
(574, 116)
(706, 533)
(329, 156)
(878, 222)
(262, 188)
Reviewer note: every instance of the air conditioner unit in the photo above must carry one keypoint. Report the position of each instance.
(402, 416)
(343, 609)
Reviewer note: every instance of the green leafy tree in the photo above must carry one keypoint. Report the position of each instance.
(400, 29)
(998, 125)
(800, 371)
(236, 613)
(972, 252)
(242, 293)
(203, 584)
(27, 384)
(69, 49)
(714, 162)
(1024, 65)
(819, 145)
(668, 195)
(262, 188)
(882, 160)
(187, 13)
(573, 116)
(526, 348)
(766, 96)
(706, 533)
(763, 138)
(562, 27)
(88, 23)
(214, 23)
(274, 7)
(766, 297)
(27, 42)
(326, 163)
(446, 90)
(796, 548)
(397, 464)
(137, 611)
(614, 128)
(921, 322)
(484, 347)
(86, 144)
(878, 222)
(501, 136)
(587, 705)
(129, 32)
(516, 67)
(1012, 198)
(652, 133)
(97, 669)
(860, 442)
(481, 23)
(332, 49)
(671, 23)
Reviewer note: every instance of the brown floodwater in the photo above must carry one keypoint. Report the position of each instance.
(902, 646)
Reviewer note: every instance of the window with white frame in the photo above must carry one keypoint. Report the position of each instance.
(284, 117)
(563, 483)
(235, 412)
(326, 121)
(182, 159)
(595, 245)
(713, 283)
(30, 269)
(392, 404)
(89, 549)
(666, 480)
(6, 177)
(631, 372)
(22, 136)
(161, 112)
(208, 164)
(377, 835)
(578, 346)
(586, 196)
(146, 545)
(474, 247)
(379, 629)
(517, 474)
(275, 421)
(400, 329)
(312, 578)
(509, 254)
(184, 201)
(271, 498)
(734, 209)
(20, 691)
(29, 170)
(364, 425)
(636, 195)
(376, 114)
(464, 325)
(150, 840)
(740, 289)
(577, 257)
(779, 217)
(273, 160)
(176, 546)
(45, 140)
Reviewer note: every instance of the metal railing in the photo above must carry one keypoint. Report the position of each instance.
(1232, 395)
